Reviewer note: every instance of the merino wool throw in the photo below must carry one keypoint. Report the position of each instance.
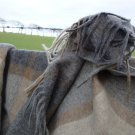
(86, 88)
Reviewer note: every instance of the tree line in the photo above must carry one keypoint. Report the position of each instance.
(20, 27)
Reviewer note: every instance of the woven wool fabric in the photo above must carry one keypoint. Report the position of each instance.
(21, 70)
(96, 107)
(89, 88)
(3, 54)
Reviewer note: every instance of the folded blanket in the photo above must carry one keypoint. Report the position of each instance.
(88, 87)
(21, 69)
(4, 49)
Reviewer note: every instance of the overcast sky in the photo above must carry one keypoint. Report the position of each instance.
(62, 13)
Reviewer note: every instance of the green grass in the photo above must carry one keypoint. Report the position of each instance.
(133, 54)
(22, 41)
(29, 42)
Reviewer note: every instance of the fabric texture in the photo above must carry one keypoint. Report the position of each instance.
(88, 85)
(21, 69)
(3, 54)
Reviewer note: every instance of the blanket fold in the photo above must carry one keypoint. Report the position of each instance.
(22, 68)
(4, 50)
(46, 98)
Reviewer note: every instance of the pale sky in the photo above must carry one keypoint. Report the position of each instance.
(62, 13)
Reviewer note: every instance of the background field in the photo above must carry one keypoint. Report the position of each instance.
(29, 42)
(23, 41)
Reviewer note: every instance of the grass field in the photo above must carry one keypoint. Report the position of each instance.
(29, 42)
(22, 41)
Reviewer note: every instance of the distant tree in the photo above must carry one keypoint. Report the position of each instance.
(3, 22)
(18, 25)
(35, 27)
(21, 27)
(31, 27)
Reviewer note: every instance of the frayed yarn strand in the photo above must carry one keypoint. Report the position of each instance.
(122, 55)
(100, 28)
(128, 81)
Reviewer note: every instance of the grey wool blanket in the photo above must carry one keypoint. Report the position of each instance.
(3, 54)
(88, 85)
(19, 69)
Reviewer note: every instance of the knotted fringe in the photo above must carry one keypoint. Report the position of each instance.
(84, 28)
